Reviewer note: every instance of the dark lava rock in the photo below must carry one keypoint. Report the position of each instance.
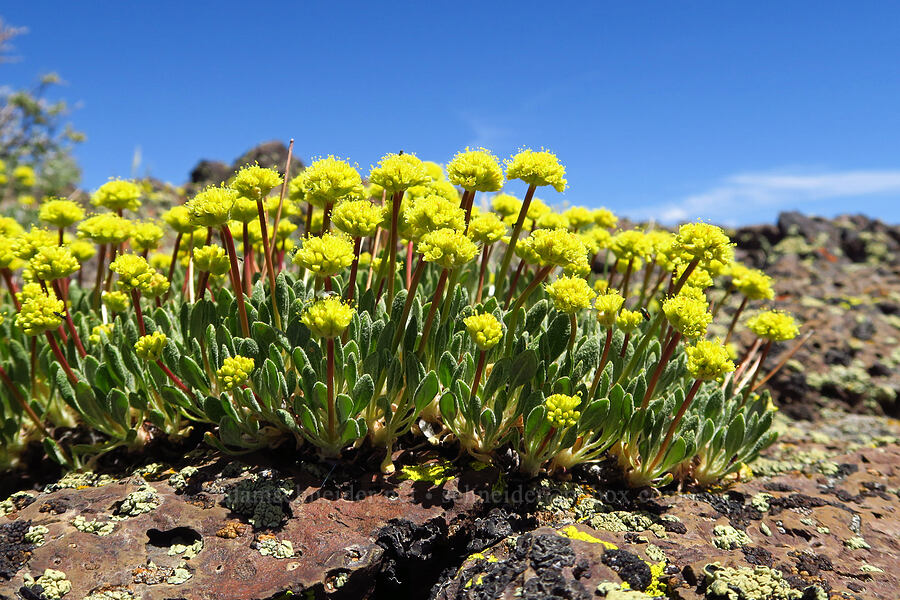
(864, 330)
(629, 567)
(14, 550)
(210, 172)
(270, 155)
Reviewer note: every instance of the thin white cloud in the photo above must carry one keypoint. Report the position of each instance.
(742, 195)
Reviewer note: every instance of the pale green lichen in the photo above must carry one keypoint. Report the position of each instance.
(179, 480)
(185, 548)
(110, 595)
(272, 546)
(857, 543)
(36, 535)
(137, 503)
(655, 553)
(151, 471)
(79, 481)
(97, 527)
(179, 575)
(855, 380)
(622, 521)
(437, 473)
(743, 583)
(760, 501)
(54, 584)
(615, 591)
(727, 537)
(764, 528)
(9, 505)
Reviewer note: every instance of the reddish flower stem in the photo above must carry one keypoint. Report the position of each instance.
(69, 323)
(60, 357)
(236, 282)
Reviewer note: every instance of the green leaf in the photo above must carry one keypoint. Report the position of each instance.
(735, 436)
(343, 407)
(427, 390)
(448, 407)
(557, 336)
(523, 368)
(363, 392)
(192, 373)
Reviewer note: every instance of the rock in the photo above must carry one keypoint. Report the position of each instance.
(270, 155)
(853, 245)
(210, 172)
(864, 330)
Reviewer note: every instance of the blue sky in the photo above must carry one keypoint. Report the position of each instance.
(668, 110)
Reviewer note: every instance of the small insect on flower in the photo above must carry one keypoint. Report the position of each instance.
(561, 410)
(235, 371)
(485, 329)
(150, 347)
(773, 325)
(40, 313)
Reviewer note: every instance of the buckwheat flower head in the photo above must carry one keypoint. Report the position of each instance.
(538, 168)
(105, 228)
(703, 242)
(628, 320)
(156, 285)
(506, 205)
(8, 258)
(118, 194)
(688, 316)
(31, 289)
(60, 213)
(447, 247)
(40, 313)
(607, 306)
(604, 218)
(212, 259)
(570, 294)
(116, 301)
(244, 210)
(579, 216)
(146, 236)
(325, 256)
(432, 213)
(235, 371)
(212, 206)
(552, 220)
(485, 329)
(630, 244)
(486, 228)
(699, 277)
(255, 182)
(708, 360)
(752, 283)
(24, 175)
(596, 238)
(10, 227)
(50, 263)
(537, 209)
(82, 250)
(693, 292)
(328, 318)
(399, 172)
(556, 247)
(434, 170)
(475, 170)
(437, 187)
(150, 347)
(133, 271)
(100, 330)
(27, 244)
(561, 410)
(773, 325)
(330, 179)
(284, 230)
(179, 219)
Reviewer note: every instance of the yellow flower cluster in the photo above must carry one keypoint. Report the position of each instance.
(325, 256)
(235, 371)
(100, 330)
(328, 318)
(255, 182)
(28, 243)
(150, 347)
(105, 228)
(399, 172)
(40, 312)
(773, 325)
(179, 219)
(605, 218)
(135, 273)
(485, 329)
(608, 306)
(116, 301)
(476, 170)
(628, 320)
(8, 258)
(212, 259)
(82, 250)
(357, 218)
(708, 360)
(432, 213)
(579, 216)
(24, 176)
(630, 244)
(752, 283)
(538, 168)
(703, 242)
(60, 213)
(570, 294)
(689, 316)
(486, 228)
(50, 263)
(556, 247)
(328, 180)
(561, 410)
(506, 205)
(118, 195)
(146, 236)
(212, 206)
(447, 247)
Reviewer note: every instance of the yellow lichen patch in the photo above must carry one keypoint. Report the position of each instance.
(437, 473)
(574, 533)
